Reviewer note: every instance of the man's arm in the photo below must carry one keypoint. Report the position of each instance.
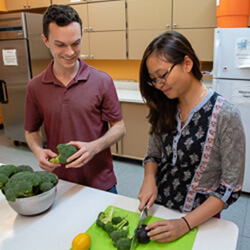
(116, 131)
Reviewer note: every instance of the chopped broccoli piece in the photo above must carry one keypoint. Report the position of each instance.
(118, 219)
(117, 234)
(123, 243)
(8, 169)
(24, 168)
(117, 228)
(3, 180)
(109, 227)
(103, 218)
(65, 151)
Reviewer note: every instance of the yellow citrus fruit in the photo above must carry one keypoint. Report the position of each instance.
(82, 241)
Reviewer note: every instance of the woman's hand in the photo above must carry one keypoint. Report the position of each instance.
(167, 230)
(148, 192)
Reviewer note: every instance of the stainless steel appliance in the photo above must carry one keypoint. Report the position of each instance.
(231, 77)
(23, 55)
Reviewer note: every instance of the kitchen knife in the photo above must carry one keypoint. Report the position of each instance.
(143, 217)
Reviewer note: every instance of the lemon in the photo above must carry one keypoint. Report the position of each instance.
(82, 241)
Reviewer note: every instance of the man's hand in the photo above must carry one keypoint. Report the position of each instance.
(43, 156)
(85, 152)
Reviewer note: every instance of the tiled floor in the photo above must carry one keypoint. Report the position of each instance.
(130, 175)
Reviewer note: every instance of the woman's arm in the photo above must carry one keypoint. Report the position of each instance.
(169, 230)
(148, 192)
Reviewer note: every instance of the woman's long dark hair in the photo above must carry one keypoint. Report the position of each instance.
(172, 47)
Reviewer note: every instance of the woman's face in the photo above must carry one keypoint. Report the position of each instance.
(176, 81)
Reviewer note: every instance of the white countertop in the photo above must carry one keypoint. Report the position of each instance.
(75, 209)
(128, 91)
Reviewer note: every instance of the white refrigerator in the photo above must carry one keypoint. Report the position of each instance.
(231, 77)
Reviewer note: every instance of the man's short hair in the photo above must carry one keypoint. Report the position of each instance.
(62, 15)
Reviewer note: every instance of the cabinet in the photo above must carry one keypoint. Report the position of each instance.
(2, 5)
(194, 14)
(146, 19)
(202, 41)
(104, 34)
(195, 19)
(77, 1)
(26, 4)
(197, 23)
(67, 1)
(134, 143)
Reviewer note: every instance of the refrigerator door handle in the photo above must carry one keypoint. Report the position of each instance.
(3, 92)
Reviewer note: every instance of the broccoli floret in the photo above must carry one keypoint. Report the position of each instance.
(48, 181)
(21, 184)
(123, 243)
(65, 151)
(3, 180)
(109, 227)
(118, 219)
(24, 168)
(103, 218)
(8, 170)
(117, 234)
(48, 177)
(46, 186)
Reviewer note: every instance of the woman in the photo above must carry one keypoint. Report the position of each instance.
(196, 152)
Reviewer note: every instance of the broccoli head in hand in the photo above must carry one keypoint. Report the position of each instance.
(65, 151)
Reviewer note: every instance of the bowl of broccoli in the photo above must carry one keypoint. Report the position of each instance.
(28, 192)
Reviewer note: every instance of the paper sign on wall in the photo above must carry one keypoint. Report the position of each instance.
(241, 94)
(9, 57)
(242, 52)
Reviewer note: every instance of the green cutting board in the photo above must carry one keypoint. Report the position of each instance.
(101, 241)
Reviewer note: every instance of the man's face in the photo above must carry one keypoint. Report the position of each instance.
(64, 44)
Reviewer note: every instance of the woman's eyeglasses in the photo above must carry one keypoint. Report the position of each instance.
(160, 79)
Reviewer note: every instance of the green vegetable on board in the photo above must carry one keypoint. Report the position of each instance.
(117, 228)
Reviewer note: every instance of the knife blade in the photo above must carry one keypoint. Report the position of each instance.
(143, 217)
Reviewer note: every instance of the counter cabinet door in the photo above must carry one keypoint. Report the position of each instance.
(134, 143)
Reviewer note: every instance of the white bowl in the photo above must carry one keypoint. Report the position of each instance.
(36, 204)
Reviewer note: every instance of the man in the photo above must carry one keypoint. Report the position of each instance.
(77, 105)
